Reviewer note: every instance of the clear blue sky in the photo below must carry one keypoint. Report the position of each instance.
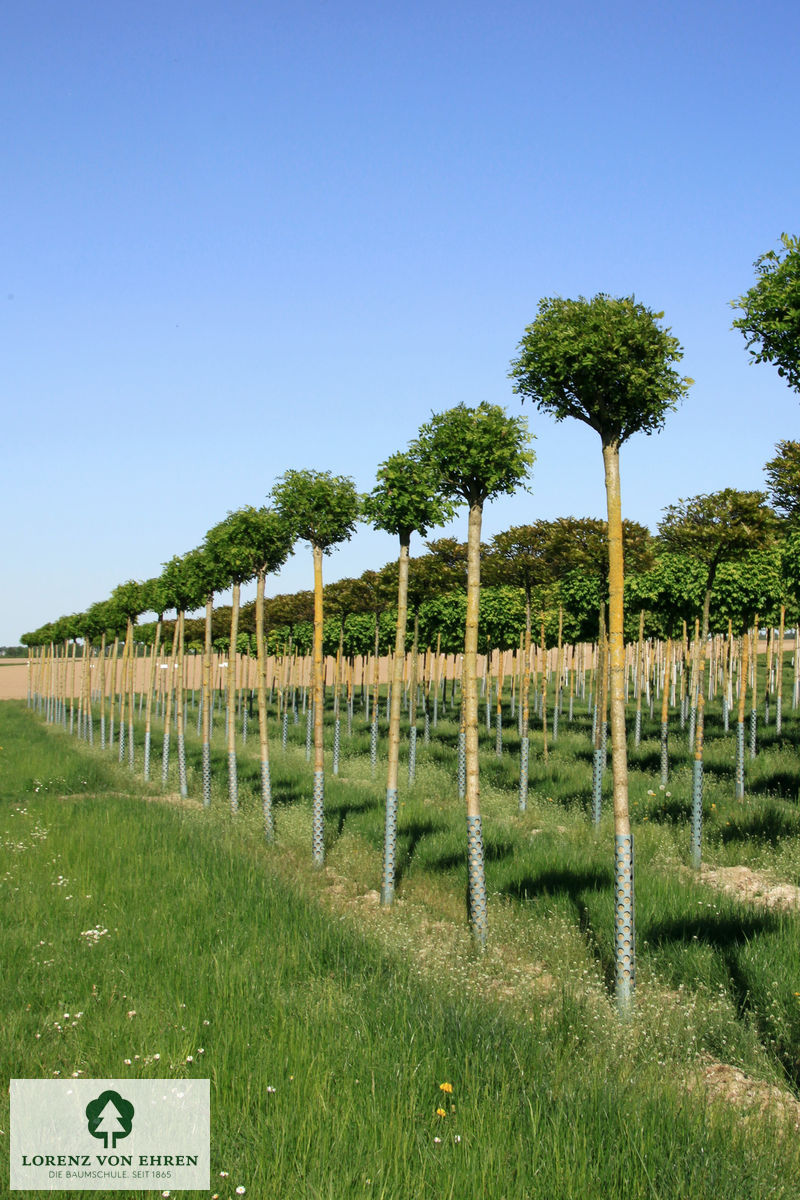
(241, 237)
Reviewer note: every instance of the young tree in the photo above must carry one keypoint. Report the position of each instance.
(102, 619)
(608, 363)
(183, 583)
(321, 509)
(129, 600)
(250, 541)
(713, 529)
(153, 596)
(771, 311)
(522, 556)
(475, 455)
(403, 502)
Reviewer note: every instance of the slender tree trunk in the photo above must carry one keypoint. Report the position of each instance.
(559, 672)
(779, 673)
(740, 715)
(266, 788)
(337, 687)
(179, 714)
(396, 702)
(498, 721)
(639, 677)
(665, 715)
(413, 684)
(600, 704)
(124, 686)
(754, 689)
(475, 856)
(317, 832)
(525, 709)
(373, 740)
(148, 713)
(233, 781)
(624, 893)
(545, 754)
(170, 683)
(132, 695)
(206, 702)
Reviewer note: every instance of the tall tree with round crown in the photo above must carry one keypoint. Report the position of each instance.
(475, 454)
(607, 363)
(321, 509)
(403, 502)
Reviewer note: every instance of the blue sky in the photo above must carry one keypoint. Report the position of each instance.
(244, 237)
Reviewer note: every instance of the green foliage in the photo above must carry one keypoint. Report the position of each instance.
(104, 617)
(582, 594)
(790, 565)
(248, 541)
(404, 500)
(771, 311)
(523, 556)
(317, 506)
(501, 620)
(672, 590)
(129, 598)
(605, 361)
(153, 596)
(783, 480)
(746, 585)
(475, 453)
(716, 527)
(582, 542)
(188, 579)
(287, 609)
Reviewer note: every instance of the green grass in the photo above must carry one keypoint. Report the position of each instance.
(331, 1005)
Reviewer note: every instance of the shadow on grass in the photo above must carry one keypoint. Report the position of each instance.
(408, 839)
(493, 851)
(722, 932)
(770, 825)
(577, 887)
(338, 810)
(560, 882)
(785, 784)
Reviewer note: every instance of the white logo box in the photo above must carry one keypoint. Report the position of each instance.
(148, 1134)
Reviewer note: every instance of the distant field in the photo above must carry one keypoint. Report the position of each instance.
(13, 678)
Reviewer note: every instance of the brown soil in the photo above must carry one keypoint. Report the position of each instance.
(753, 1097)
(746, 885)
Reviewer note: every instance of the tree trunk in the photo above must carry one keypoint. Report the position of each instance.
(624, 905)
(207, 702)
(233, 781)
(413, 687)
(179, 713)
(317, 830)
(148, 712)
(665, 715)
(477, 879)
(524, 704)
(739, 792)
(779, 673)
(396, 702)
(261, 659)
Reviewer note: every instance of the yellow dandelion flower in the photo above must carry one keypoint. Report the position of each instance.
(440, 1112)
(445, 1087)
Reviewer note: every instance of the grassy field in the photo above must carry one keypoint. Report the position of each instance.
(178, 943)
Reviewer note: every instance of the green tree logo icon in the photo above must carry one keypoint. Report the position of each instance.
(109, 1116)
